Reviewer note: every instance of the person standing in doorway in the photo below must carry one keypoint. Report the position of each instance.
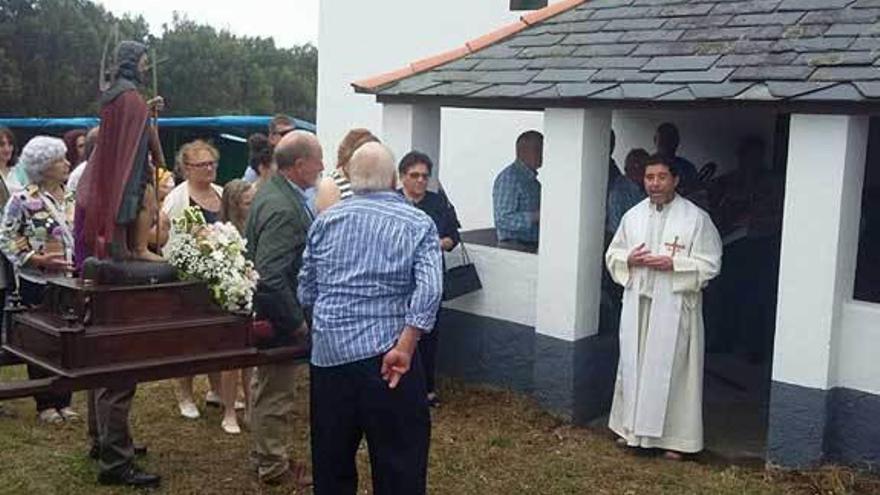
(516, 195)
(664, 253)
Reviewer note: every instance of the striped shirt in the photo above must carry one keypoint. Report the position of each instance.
(342, 183)
(372, 265)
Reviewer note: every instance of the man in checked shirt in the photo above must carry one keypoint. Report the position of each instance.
(372, 272)
(516, 195)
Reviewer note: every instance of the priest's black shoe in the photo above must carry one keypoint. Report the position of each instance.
(133, 476)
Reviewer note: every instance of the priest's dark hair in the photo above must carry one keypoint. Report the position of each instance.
(412, 158)
(658, 159)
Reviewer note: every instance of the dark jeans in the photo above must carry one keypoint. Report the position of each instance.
(352, 400)
(32, 295)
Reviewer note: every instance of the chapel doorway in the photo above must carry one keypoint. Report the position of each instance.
(740, 304)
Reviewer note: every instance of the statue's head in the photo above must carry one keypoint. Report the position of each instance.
(132, 61)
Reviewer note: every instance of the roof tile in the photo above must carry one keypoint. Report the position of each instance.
(625, 13)
(862, 4)
(732, 33)
(721, 90)
(840, 92)
(497, 51)
(615, 62)
(694, 22)
(692, 62)
(615, 93)
(736, 60)
(772, 72)
(616, 49)
(654, 35)
(493, 64)
(546, 51)
(581, 90)
(869, 89)
(633, 24)
(846, 74)
(812, 44)
(576, 27)
(564, 75)
(683, 94)
(837, 58)
(804, 30)
(507, 77)
(510, 90)
(455, 89)
(765, 19)
(787, 89)
(802, 5)
(455, 75)
(693, 9)
(844, 16)
(539, 40)
(550, 11)
(623, 75)
(853, 30)
(598, 38)
(642, 91)
(711, 75)
(460, 64)
(752, 7)
(865, 43)
(557, 63)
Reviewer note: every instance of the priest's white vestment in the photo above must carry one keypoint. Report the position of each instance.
(658, 395)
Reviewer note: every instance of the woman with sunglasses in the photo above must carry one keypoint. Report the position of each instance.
(415, 170)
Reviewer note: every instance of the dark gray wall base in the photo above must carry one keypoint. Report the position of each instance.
(478, 349)
(853, 435)
(798, 417)
(810, 426)
(574, 380)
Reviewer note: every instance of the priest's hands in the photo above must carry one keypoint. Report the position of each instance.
(638, 256)
(641, 257)
(659, 263)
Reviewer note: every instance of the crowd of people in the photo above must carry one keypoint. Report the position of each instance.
(391, 300)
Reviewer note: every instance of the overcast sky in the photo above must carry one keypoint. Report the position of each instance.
(290, 22)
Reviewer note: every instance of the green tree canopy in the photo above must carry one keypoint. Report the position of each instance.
(50, 52)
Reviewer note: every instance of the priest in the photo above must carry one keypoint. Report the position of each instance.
(664, 253)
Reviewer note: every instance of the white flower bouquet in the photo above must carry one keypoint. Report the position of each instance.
(213, 254)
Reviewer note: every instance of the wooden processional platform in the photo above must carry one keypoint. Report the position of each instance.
(91, 336)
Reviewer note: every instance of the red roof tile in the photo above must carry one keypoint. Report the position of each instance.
(426, 64)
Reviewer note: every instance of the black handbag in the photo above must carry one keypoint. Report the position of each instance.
(462, 279)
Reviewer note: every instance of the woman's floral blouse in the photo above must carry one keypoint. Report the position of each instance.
(29, 226)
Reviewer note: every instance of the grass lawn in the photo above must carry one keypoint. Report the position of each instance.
(483, 442)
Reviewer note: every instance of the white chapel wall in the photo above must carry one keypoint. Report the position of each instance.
(361, 39)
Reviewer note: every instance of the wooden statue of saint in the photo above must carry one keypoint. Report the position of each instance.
(115, 204)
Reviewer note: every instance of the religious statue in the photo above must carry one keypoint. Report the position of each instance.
(115, 199)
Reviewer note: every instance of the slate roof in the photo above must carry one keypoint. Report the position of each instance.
(662, 50)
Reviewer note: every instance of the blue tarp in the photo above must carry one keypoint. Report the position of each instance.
(218, 122)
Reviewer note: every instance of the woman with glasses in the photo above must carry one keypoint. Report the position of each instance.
(415, 170)
(197, 163)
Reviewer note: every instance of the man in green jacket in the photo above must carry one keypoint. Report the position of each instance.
(276, 232)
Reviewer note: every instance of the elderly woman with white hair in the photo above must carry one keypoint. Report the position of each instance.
(37, 237)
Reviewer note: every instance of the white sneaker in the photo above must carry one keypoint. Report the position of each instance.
(70, 415)
(188, 409)
(213, 399)
(230, 426)
(50, 416)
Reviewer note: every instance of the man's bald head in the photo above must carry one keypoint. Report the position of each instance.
(299, 158)
(372, 169)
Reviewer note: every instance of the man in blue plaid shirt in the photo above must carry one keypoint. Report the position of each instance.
(516, 196)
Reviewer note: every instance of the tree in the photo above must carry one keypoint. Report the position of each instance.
(50, 52)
